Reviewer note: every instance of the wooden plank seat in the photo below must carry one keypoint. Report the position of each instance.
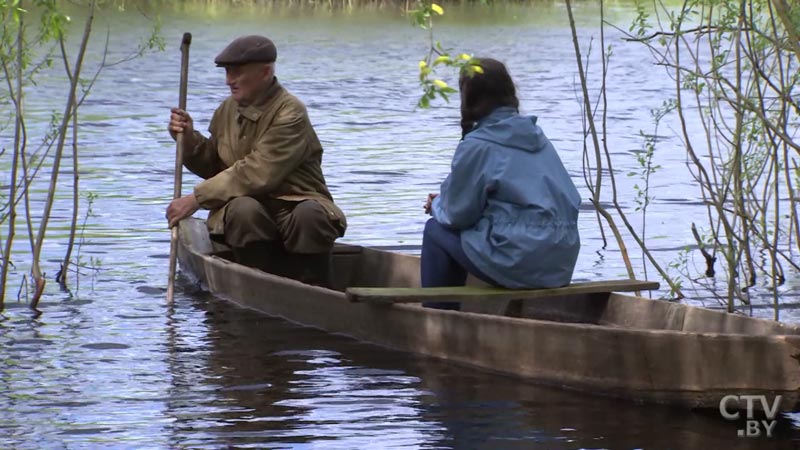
(461, 293)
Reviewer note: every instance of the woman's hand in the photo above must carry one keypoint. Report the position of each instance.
(429, 202)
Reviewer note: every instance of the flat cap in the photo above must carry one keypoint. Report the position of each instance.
(247, 49)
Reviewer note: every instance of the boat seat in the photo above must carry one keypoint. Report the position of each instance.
(463, 293)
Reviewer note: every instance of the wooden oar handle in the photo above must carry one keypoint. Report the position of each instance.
(176, 191)
(185, 43)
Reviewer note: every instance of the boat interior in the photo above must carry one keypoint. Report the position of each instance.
(356, 266)
(367, 267)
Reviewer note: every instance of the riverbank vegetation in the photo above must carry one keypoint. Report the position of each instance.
(34, 46)
(735, 67)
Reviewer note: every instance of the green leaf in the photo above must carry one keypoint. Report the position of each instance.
(442, 59)
(424, 102)
(440, 84)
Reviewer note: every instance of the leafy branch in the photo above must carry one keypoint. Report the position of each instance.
(438, 57)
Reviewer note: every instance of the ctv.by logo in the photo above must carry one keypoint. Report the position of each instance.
(753, 426)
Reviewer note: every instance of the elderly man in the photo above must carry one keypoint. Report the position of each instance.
(262, 169)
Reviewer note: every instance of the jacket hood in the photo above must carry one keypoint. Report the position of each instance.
(505, 127)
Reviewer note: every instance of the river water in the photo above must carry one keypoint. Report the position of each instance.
(111, 365)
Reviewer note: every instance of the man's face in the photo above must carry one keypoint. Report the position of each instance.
(247, 81)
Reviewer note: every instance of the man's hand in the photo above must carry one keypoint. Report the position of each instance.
(429, 202)
(181, 208)
(180, 122)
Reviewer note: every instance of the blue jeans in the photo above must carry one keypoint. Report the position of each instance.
(443, 261)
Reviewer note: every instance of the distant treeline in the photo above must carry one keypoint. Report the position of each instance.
(403, 5)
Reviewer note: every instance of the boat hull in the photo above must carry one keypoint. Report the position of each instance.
(684, 368)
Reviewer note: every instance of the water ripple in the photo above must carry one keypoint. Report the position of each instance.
(111, 365)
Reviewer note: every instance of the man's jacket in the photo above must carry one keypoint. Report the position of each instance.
(265, 150)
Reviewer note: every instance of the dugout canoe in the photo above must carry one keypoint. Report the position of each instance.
(604, 343)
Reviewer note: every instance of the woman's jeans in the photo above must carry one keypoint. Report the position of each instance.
(443, 261)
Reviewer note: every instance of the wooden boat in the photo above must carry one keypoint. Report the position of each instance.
(600, 342)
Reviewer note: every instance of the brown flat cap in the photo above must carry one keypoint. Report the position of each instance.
(247, 49)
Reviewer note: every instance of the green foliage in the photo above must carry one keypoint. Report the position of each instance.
(645, 158)
(15, 57)
(433, 86)
(94, 265)
(423, 16)
(680, 268)
(32, 39)
(52, 25)
(53, 21)
(155, 41)
(641, 26)
(734, 59)
(438, 57)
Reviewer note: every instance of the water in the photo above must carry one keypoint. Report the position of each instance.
(112, 366)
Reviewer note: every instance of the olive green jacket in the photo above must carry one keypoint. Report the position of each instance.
(266, 150)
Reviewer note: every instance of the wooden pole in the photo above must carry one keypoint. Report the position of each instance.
(173, 247)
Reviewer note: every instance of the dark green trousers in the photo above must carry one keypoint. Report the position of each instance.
(291, 239)
(301, 227)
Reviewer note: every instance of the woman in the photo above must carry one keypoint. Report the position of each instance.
(508, 211)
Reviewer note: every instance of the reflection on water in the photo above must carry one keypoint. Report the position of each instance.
(114, 367)
(203, 374)
(292, 385)
(267, 382)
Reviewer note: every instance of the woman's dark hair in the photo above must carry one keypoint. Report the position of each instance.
(482, 92)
